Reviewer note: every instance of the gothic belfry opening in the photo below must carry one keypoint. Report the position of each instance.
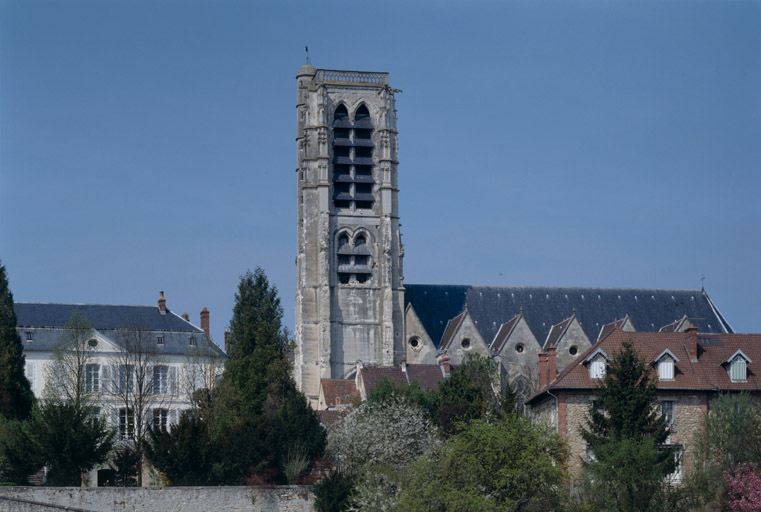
(350, 296)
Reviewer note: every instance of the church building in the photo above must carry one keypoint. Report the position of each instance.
(351, 300)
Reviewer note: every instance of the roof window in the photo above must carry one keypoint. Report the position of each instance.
(738, 369)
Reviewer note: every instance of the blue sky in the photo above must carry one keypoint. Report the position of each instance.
(149, 145)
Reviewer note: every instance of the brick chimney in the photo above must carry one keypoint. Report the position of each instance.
(446, 368)
(551, 364)
(162, 303)
(691, 342)
(227, 340)
(205, 321)
(542, 369)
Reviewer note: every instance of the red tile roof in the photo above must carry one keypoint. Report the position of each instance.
(338, 391)
(708, 372)
(427, 375)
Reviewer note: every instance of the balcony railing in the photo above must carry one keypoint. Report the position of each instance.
(334, 76)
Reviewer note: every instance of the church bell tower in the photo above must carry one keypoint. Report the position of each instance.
(350, 296)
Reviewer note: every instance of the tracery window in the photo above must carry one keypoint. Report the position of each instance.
(353, 160)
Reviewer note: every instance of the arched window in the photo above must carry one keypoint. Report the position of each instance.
(353, 181)
(354, 259)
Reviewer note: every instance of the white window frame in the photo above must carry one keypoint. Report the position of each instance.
(161, 418)
(126, 424)
(160, 380)
(92, 378)
(126, 378)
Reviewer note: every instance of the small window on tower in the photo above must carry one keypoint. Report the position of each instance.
(362, 113)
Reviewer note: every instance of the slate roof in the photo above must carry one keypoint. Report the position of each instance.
(101, 316)
(557, 331)
(46, 321)
(504, 333)
(708, 373)
(616, 324)
(543, 307)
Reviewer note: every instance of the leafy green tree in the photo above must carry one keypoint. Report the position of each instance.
(475, 390)
(333, 493)
(626, 434)
(502, 465)
(730, 438)
(16, 397)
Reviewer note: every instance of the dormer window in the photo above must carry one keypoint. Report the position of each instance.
(666, 362)
(597, 361)
(738, 369)
(666, 369)
(597, 368)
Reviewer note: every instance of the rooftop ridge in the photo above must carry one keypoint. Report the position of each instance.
(545, 287)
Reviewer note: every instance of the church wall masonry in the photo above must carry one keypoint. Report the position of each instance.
(351, 300)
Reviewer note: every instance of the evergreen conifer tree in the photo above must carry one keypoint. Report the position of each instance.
(16, 396)
(626, 433)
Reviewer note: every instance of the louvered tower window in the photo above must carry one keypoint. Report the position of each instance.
(354, 263)
(353, 159)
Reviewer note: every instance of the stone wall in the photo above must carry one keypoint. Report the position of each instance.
(689, 409)
(176, 499)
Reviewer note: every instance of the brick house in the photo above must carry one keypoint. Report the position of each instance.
(690, 369)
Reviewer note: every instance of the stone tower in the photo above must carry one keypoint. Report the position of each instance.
(350, 296)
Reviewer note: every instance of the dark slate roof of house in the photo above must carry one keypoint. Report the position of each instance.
(47, 322)
(543, 307)
(100, 316)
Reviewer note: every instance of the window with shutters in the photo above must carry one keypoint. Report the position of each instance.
(160, 380)
(126, 378)
(353, 160)
(92, 378)
(597, 368)
(666, 369)
(738, 369)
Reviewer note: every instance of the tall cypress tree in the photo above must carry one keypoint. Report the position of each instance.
(257, 339)
(16, 397)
